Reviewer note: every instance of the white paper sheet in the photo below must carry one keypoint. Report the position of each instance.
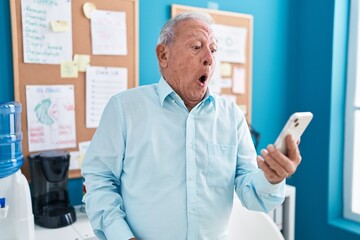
(215, 81)
(83, 146)
(226, 82)
(40, 43)
(74, 160)
(231, 43)
(108, 33)
(229, 97)
(239, 86)
(77, 157)
(50, 116)
(101, 84)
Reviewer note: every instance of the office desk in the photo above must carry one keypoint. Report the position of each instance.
(79, 230)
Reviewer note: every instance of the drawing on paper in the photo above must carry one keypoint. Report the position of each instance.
(42, 110)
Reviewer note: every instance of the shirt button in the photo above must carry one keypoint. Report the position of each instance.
(190, 145)
(191, 179)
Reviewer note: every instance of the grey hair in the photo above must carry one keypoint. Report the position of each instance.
(168, 31)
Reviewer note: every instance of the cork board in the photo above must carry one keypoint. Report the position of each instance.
(237, 20)
(26, 74)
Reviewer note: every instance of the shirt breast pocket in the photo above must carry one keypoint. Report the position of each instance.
(221, 165)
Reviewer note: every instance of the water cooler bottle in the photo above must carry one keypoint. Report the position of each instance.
(16, 218)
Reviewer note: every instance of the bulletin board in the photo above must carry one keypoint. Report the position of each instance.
(26, 74)
(244, 67)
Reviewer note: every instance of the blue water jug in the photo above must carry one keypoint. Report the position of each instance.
(11, 157)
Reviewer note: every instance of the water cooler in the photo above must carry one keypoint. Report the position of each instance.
(16, 218)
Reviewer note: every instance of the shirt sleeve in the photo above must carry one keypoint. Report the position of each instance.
(251, 186)
(101, 169)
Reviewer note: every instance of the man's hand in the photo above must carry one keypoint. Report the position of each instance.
(277, 166)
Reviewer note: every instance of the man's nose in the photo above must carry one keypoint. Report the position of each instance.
(208, 58)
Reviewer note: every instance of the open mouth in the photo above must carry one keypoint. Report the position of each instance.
(203, 79)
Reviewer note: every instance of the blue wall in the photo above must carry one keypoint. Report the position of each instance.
(6, 70)
(297, 66)
(320, 67)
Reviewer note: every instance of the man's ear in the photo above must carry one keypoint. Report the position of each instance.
(162, 53)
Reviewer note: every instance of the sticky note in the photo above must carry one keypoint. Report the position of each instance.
(82, 61)
(226, 69)
(68, 69)
(59, 26)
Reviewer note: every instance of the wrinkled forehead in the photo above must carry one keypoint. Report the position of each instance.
(193, 28)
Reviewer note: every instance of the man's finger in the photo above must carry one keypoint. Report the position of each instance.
(293, 150)
(281, 159)
(275, 165)
(270, 175)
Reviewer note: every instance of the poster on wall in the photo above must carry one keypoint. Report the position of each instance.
(108, 33)
(101, 84)
(47, 32)
(50, 117)
(231, 43)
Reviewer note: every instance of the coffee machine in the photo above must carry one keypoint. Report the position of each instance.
(50, 200)
(16, 217)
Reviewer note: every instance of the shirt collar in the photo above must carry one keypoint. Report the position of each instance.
(209, 96)
(165, 90)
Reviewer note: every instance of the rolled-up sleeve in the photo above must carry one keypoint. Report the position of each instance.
(101, 169)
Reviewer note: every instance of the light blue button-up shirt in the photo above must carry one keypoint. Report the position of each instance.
(156, 171)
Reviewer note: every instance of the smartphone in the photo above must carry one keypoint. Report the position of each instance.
(296, 125)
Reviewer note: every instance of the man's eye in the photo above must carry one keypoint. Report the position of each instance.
(213, 50)
(196, 47)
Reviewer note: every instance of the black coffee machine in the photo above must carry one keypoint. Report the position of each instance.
(49, 195)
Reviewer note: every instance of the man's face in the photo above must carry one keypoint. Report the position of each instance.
(190, 61)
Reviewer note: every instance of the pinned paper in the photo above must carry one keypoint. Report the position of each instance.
(226, 83)
(239, 80)
(82, 61)
(243, 108)
(229, 97)
(108, 33)
(77, 157)
(231, 43)
(88, 8)
(101, 84)
(215, 83)
(68, 69)
(50, 117)
(83, 146)
(59, 26)
(74, 160)
(41, 43)
(226, 69)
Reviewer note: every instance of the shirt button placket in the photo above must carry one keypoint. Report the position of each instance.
(190, 176)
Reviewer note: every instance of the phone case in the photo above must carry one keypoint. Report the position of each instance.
(296, 125)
